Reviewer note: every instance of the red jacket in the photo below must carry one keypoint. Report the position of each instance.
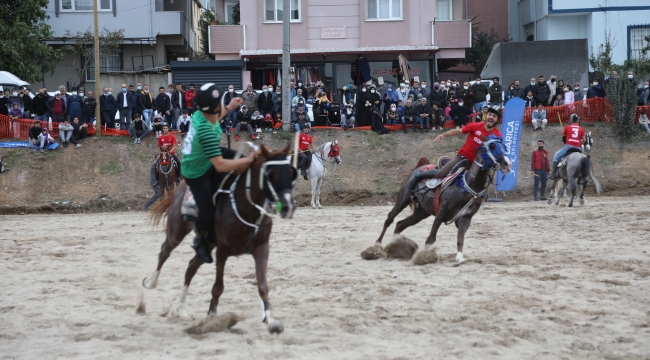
(539, 160)
(189, 99)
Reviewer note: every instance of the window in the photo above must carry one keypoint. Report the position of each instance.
(85, 5)
(637, 40)
(444, 10)
(107, 63)
(273, 10)
(384, 9)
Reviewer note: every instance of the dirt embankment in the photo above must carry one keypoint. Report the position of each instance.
(111, 174)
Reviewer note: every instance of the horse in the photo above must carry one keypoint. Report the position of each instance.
(243, 225)
(586, 147)
(317, 170)
(455, 203)
(576, 170)
(166, 172)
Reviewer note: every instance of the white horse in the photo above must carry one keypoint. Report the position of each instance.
(317, 170)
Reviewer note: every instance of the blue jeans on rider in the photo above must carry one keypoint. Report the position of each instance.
(542, 177)
(300, 126)
(562, 152)
(479, 106)
(146, 116)
(420, 120)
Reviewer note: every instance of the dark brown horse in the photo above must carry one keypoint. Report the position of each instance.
(457, 203)
(242, 225)
(167, 167)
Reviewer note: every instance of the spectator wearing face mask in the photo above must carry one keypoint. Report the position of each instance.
(75, 104)
(277, 101)
(392, 116)
(578, 94)
(480, 94)
(27, 103)
(409, 115)
(244, 120)
(643, 93)
(542, 91)
(416, 90)
(39, 106)
(363, 106)
(438, 94)
(568, 95)
(347, 116)
(596, 90)
(136, 99)
(297, 99)
(552, 85)
(460, 114)
(15, 99)
(468, 98)
(518, 91)
(530, 87)
(423, 111)
(530, 99)
(630, 79)
(124, 103)
(265, 102)
(403, 92)
(437, 116)
(496, 93)
(390, 98)
(250, 98)
(56, 105)
(108, 107)
(539, 118)
(231, 118)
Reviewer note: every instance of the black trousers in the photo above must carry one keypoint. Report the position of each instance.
(304, 158)
(445, 170)
(203, 189)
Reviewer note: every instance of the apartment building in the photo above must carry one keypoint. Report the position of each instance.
(155, 33)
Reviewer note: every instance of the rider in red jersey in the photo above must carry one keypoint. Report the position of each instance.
(166, 141)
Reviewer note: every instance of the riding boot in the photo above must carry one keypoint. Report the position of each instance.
(554, 173)
(201, 246)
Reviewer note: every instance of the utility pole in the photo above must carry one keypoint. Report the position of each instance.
(286, 64)
(98, 115)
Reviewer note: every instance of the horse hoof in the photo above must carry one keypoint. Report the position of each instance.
(460, 258)
(320, 207)
(276, 327)
(570, 205)
(148, 287)
(550, 201)
(313, 206)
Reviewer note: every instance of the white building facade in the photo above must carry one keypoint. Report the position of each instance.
(628, 22)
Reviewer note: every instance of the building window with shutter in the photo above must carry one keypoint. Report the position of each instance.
(384, 10)
(107, 63)
(84, 5)
(273, 11)
(636, 40)
(444, 10)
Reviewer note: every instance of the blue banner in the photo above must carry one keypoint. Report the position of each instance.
(513, 119)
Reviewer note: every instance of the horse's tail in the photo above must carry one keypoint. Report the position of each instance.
(588, 169)
(160, 209)
(421, 162)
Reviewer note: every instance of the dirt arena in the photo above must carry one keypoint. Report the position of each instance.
(544, 282)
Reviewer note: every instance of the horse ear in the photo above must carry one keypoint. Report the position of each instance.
(264, 151)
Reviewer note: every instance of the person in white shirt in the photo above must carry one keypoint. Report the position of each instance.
(183, 122)
(539, 118)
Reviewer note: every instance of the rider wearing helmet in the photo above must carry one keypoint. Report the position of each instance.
(204, 161)
(573, 137)
(476, 132)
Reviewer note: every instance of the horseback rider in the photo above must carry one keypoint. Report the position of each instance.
(205, 162)
(573, 137)
(476, 132)
(305, 142)
(166, 141)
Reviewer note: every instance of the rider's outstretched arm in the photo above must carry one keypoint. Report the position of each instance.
(226, 165)
(452, 132)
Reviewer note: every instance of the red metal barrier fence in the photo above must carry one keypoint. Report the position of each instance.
(590, 110)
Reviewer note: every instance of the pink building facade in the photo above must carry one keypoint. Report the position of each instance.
(327, 37)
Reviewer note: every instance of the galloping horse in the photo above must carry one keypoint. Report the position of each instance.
(166, 168)
(317, 169)
(457, 203)
(576, 170)
(243, 224)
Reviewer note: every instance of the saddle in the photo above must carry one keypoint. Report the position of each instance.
(572, 150)
(426, 184)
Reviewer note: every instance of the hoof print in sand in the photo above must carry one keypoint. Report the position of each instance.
(373, 253)
(215, 323)
(426, 256)
(401, 248)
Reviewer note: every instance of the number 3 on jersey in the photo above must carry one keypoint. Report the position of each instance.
(575, 133)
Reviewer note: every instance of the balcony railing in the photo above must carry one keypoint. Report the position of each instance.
(455, 34)
(226, 39)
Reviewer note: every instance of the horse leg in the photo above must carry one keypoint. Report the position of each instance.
(418, 215)
(217, 289)
(437, 221)
(314, 183)
(553, 193)
(318, 185)
(192, 267)
(175, 235)
(261, 257)
(572, 183)
(401, 203)
(582, 191)
(462, 224)
(560, 192)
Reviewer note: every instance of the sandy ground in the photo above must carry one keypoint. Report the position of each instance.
(545, 282)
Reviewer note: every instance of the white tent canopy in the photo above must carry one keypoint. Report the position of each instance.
(9, 79)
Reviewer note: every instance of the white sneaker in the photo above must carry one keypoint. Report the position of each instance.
(78, 145)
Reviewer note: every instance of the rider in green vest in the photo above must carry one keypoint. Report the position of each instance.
(205, 162)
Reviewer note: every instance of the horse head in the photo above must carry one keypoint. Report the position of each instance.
(335, 152)
(493, 153)
(280, 175)
(164, 155)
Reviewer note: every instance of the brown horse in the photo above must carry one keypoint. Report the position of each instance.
(242, 224)
(457, 203)
(167, 167)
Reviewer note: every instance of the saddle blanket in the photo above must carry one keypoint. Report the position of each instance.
(188, 208)
(433, 183)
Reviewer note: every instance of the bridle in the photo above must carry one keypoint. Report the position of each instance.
(333, 153)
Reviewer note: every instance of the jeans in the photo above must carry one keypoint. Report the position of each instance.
(645, 127)
(138, 134)
(300, 126)
(347, 121)
(391, 121)
(65, 135)
(41, 117)
(87, 119)
(422, 120)
(461, 121)
(175, 114)
(26, 115)
(125, 118)
(542, 176)
(562, 152)
(146, 116)
(248, 128)
(479, 106)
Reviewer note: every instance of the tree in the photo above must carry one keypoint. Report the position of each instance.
(622, 98)
(207, 18)
(482, 44)
(23, 50)
(602, 63)
(236, 14)
(84, 45)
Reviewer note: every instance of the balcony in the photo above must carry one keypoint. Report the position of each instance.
(169, 23)
(455, 34)
(226, 39)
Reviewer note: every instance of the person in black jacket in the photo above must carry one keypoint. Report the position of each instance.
(39, 106)
(265, 102)
(460, 114)
(27, 102)
(437, 94)
(409, 115)
(231, 119)
(125, 107)
(177, 101)
(36, 136)
(423, 112)
(437, 116)
(107, 107)
(244, 119)
(162, 104)
(541, 91)
(89, 108)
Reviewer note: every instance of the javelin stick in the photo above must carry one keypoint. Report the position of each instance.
(295, 150)
(558, 116)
